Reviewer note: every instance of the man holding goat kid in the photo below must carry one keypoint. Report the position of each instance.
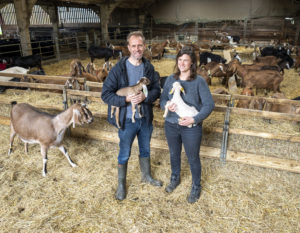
(127, 72)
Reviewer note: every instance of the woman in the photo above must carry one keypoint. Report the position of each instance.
(197, 94)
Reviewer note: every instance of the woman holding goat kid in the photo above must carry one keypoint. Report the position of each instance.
(184, 114)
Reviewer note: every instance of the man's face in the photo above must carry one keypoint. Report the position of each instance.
(136, 47)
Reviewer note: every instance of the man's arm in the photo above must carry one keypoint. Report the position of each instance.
(109, 89)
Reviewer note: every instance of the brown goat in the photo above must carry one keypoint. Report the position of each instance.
(204, 74)
(283, 108)
(268, 60)
(265, 79)
(34, 126)
(100, 74)
(131, 90)
(157, 49)
(244, 103)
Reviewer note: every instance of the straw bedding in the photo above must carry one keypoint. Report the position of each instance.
(235, 197)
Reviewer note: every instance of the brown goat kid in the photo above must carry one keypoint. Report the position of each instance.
(131, 90)
(34, 126)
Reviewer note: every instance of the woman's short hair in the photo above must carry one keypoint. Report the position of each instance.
(188, 50)
(136, 33)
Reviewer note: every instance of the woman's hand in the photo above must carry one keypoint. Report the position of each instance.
(185, 121)
(172, 107)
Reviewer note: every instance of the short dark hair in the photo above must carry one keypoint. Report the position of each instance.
(188, 50)
(136, 33)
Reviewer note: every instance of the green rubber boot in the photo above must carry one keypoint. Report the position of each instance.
(146, 172)
(121, 190)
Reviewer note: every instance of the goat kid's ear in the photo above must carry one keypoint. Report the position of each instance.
(172, 91)
(182, 90)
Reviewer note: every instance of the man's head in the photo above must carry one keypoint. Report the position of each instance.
(136, 44)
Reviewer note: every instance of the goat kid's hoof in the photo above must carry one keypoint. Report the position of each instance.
(9, 151)
(73, 164)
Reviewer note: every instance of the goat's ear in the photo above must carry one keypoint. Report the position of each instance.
(172, 91)
(76, 117)
(182, 90)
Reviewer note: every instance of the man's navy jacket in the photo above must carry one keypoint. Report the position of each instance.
(117, 78)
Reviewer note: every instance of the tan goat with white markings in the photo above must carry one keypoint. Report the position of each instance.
(35, 126)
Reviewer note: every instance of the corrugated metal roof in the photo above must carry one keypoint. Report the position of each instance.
(40, 17)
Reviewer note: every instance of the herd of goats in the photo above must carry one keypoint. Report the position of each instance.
(266, 73)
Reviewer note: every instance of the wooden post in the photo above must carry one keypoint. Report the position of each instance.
(95, 38)
(297, 33)
(196, 30)
(245, 30)
(105, 11)
(23, 10)
(57, 48)
(77, 46)
(53, 14)
(87, 41)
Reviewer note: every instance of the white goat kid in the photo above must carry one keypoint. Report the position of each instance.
(34, 126)
(182, 109)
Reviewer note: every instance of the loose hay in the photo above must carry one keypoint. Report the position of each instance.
(235, 197)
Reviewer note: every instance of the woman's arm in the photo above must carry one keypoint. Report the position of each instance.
(207, 102)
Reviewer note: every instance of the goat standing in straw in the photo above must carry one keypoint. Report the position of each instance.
(34, 126)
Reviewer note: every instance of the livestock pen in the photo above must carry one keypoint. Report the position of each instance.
(236, 197)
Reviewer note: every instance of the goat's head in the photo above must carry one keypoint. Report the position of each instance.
(91, 68)
(72, 83)
(247, 91)
(76, 68)
(144, 81)
(81, 114)
(177, 86)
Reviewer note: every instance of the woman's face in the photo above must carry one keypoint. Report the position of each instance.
(184, 63)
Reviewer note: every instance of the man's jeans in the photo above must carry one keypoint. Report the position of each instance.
(142, 130)
(191, 139)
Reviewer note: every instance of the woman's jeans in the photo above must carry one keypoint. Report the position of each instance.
(191, 139)
(142, 130)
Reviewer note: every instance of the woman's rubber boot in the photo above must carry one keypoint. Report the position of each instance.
(195, 193)
(146, 172)
(121, 190)
(174, 182)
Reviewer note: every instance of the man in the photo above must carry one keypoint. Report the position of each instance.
(127, 72)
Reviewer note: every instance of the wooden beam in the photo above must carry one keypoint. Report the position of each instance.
(84, 93)
(42, 77)
(210, 152)
(32, 85)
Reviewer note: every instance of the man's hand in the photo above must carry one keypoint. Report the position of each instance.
(136, 99)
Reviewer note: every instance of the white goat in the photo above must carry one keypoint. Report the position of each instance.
(34, 126)
(12, 70)
(182, 109)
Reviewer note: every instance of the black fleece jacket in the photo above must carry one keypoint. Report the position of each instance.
(117, 78)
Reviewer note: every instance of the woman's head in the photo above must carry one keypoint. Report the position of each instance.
(186, 60)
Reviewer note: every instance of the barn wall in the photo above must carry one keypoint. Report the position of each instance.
(183, 11)
(265, 29)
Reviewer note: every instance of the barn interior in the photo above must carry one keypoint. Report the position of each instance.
(251, 185)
